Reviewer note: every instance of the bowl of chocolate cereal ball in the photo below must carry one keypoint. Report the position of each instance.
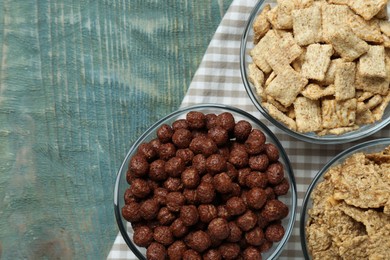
(207, 181)
(319, 70)
(346, 209)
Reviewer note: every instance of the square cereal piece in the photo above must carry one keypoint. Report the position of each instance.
(329, 75)
(315, 91)
(300, 4)
(338, 113)
(342, 130)
(317, 61)
(284, 18)
(280, 116)
(365, 117)
(307, 25)
(365, 30)
(333, 17)
(286, 86)
(367, 8)
(374, 85)
(308, 115)
(344, 80)
(256, 77)
(372, 63)
(290, 47)
(347, 44)
(257, 53)
(277, 59)
(276, 104)
(261, 25)
(385, 27)
(374, 101)
(379, 110)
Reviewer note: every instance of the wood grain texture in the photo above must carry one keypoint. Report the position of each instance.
(79, 82)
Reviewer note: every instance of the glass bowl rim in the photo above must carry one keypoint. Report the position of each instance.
(227, 108)
(342, 155)
(327, 139)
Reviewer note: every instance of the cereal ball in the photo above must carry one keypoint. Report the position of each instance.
(251, 253)
(173, 184)
(241, 130)
(198, 240)
(270, 193)
(143, 236)
(282, 188)
(223, 183)
(235, 233)
(182, 138)
(255, 237)
(211, 121)
(190, 178)
(163, 235)
(176, 250)
(191, 254)
(247, 220)
(256, 179)
(219, 135)
(226, 121)
(191, 196)
(274, 210)
(219, 228)
(235, 206)
(186, 155)
(140, 188)
(175, 166)
(255, 143)
(205, 192)
(229, 251)
(155, 143)
(239, 157)
(131, 212)
(189, 215)
(149, 209)
(224, 151)
(275, 173)
(274, 232)
(242, 173)
(160, 195)
(180, 124)
(215, 163)
(156, 251)
(157, 171)
(222, 212)
(139, 166)
(231, 171)
(207, 178)
(147, 151)
(259, 162)
(175, 200)
(201, 133)
(199, 163)
(165, 217)
(272, 152)
(178, 228)
(212, 254)
(235, 192)
(166, 151)
(265, 246)
(196, 120)
(164, 133)
(130, 176)
(214, 241)
(203, 145)
(207, 212)
(129, 196)
(256, 198)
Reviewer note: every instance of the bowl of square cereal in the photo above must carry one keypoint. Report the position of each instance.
(319, 70)
(206, 182)
(346, 210)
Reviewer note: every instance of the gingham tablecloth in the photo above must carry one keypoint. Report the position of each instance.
(218, 80)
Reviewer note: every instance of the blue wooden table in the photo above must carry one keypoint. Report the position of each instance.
(79, 81)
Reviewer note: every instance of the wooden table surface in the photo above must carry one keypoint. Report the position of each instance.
(79, 82)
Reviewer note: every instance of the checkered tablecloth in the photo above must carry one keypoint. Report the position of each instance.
(218, 80)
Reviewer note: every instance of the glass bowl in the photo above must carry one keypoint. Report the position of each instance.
(245, 60)
(290, 199)
(372, 146)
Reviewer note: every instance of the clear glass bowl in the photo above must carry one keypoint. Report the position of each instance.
(290, 199)
(366, 147)
(245, 60)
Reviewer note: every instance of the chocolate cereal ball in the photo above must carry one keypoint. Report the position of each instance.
(165, 217)
(207, 178)
(131, 212)
(143, 236)
(223, 183)
(189, 215)
(176, 250)
(157, 170)
(149, 209)
(272, 152)
(235, 233)
(182, 138)
(239, 157)
(191, 254)
(219, 228)
(196, 120)
(251, 253)
(215, 163)
(255, 237)
(199, 163)
(282, 188)
(255, 143)
(229, 251)
(175, 200)
(242, 173)
(180, 124)
(241, 130)
(235, 206)
(256, 198)
(219, 135)
(203, 145)
(147, 151)
(156, 251)
(138, 165)
(198, 241)
(191, 196)
(247, 220)
(256, 179)
(258, 162)
(211, 120)
(265, 246)
(274, 232)
(175, 166)
(274, 210)
(275, 173)
(140, 188)
(166, 151)
(226, 121)
(207, 212)
(164, 133)
(223, 212)
(205, 192)
(190, 178)
(160, 195)
(212, 254)
(129, 196)
(186, 155)
(178, 228)
(163, 235)
(155, 143)
(173, 184)
(231, 171)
